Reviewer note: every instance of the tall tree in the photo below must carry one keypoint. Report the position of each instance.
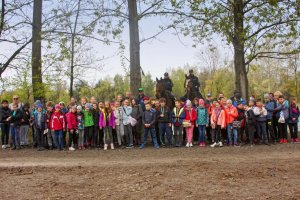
(37, 81)
(245, 24)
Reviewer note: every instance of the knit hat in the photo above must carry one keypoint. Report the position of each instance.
(40, 106)
(188, 103)
(229, 101)
(267, 96)
(79, 107)
(201, 102)
(57, 106)
(146, 98)
(89, 106)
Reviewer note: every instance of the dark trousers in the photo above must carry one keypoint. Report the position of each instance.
(40, 137)
(293, 130)
(88, 135)
(282, 129)
(275, 127)
(100, 138)
(164, 129)
(95, 136)
(137, 132)
(250, 131)
(262, 132)
(5, 133)
(270, 130)
(72, 138)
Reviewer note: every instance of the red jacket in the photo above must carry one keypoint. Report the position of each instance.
(71, 120)
(58, 121)
(231, 114)
(191, 115)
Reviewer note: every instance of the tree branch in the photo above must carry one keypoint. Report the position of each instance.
(2, 17)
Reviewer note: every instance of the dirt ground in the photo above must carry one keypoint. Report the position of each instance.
(261, 172)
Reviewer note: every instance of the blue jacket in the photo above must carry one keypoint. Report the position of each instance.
(177, 119)
(43, 120)
(202, 116)
(270, 106)
(283, 108)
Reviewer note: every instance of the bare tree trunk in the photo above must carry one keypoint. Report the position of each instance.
(135, 67)
(73, 51)
(37, 81)
(241, 79)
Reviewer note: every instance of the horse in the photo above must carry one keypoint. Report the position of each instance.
(161, 92)
(190, 91)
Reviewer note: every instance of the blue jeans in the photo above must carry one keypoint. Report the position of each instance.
(153, 135)
(231, 130)
(165, 129)
(4, 133)
(15, 136)
(201, 129)
(59, 139)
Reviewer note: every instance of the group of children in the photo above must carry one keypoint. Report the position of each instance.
(106, 124)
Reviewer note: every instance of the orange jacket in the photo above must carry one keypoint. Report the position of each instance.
(221, 121)
(231, 114)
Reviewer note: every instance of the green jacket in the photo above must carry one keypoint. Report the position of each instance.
(88, 119)
(202, 116)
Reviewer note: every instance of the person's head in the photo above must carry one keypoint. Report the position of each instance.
(117, 104)
(208, 96)
(240, 106)
(107, 104)
(201, 102)
(196, 101)
(88, 106)
(62, 105)
(166, 75)
(57, 107)
(126, 102)
(4, 104)
(251, 102)
(73, 109)
(141, 91)
(84, 100)
(259, 103)
(178, 103)
(237, 94)
(128, 94)
(281, 99)
(15, 107)
(294, 101)
(101, 105)
(191, 72)
(16, 99)
(146, 100)
(73, 100)
(134, 102)
(246, 107)
(95, 106)
(148, 106)
(214, 101)
(271, 95)
(267, 97)
(119, 97)
(221, 95)
(93, 100)
(162, 102)
(79, 109)
(188, 105)
(152, 101)
(26, 107)
(157, 103)
(217, 104)
(229, 103)
(277, 94)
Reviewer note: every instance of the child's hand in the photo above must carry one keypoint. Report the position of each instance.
(114, 127)
(196, 125)
(170, 125)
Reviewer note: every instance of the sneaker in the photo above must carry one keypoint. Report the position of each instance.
(203, 144)
(213, 145)
(41, 149)
(3, 146)
(71, 149)
(142, 146)
(13, 148)
(285, 141)
(296, 140)
(112, 146)
(281, 141)
(18, 148)
(191, 144)
(220, 144)
(187, 145)
(105, 147)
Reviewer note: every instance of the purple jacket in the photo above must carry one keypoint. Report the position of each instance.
(102, 120)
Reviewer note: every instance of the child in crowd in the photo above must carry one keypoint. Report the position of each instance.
(88, 124)
(178, 115)
(80, 127)
(96, 117)
(15, 121)
(202, 122)
(189, 121)
(25, 123)
(58, 126)
(50, 134)
(149, 118)
(218, 122)
(269, 106)
(293, 120)
(4, 124)
(250, 121)
(118, 123)
(137, 113)
(261, 117)
(164, 122)
(71, 117)
(240, 121)
(126, 112)
(282, 110)
(231, 115)
(107, 123)
(40, 125)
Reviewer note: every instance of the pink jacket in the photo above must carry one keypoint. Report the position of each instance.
(71, 120)
(111, 122)
(221, 119)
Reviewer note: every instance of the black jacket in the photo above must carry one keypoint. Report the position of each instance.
(4, 114)
(251, 118)
(26, 117)
(16, 119)
(96, 117)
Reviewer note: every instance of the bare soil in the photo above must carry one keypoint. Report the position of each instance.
(261, 172)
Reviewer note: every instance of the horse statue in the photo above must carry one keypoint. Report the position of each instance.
(190, 91)
(161, 92)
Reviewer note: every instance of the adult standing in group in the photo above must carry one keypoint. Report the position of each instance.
(208, 106)
(4, 124)
(137, 113)
(140, 98)
(16, 101)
